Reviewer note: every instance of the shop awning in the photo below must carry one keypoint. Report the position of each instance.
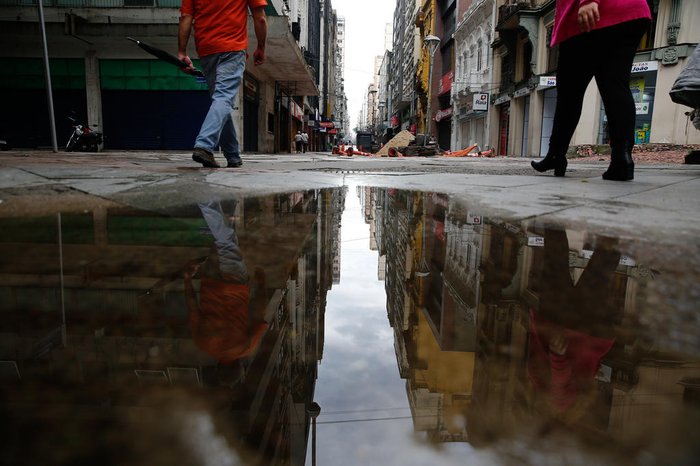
(284, 60)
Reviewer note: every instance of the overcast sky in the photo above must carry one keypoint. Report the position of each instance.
(365, 414)
(365, 21)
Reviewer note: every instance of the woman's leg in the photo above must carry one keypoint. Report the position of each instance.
(574, 73)
(612, 73)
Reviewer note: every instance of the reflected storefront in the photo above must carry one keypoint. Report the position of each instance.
(210, 333)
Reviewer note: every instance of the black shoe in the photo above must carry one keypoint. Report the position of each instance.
(618, 171)
(621, 164)
(551, 162)
(234, 164)
(204, 157)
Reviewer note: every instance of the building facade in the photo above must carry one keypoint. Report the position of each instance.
(139, 102)
(524, 66)
(406, 52)
(473, 73)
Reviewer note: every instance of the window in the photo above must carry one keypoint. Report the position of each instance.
(479, 52)
(552, 52)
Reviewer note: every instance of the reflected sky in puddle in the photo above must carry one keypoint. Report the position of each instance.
(427, 333)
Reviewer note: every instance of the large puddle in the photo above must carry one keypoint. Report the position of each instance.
(340, 327)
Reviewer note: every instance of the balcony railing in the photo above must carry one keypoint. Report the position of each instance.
(97, 3)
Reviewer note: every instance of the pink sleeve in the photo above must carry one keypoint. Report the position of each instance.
(562, 390)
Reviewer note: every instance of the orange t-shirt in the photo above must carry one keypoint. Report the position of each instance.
(221, 327)
(220, 25)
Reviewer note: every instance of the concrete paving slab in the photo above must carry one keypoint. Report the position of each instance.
(684, 195)
(658, 203)
(13, 177)
(106, 186)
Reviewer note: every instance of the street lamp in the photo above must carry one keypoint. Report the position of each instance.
(373, 92)
(431, 43)
(313, 411)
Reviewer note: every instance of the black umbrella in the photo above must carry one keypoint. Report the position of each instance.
(165, 56)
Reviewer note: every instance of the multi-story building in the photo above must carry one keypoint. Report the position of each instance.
(384, 92)
(111, 322)
(340, 110)
(406, 52)
(462, 293)
(473, 73)
(136, 100)
(524, 65)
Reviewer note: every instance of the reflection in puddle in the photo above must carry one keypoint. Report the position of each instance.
(194, 336)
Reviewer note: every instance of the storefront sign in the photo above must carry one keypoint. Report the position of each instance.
(473, 219)
(548, 81)
(481, 101)
(535, 241)
(643, 66)
(325, 124)
(297, 112)
(443, 114)
(501, 100)
(445, 84)
(642, 108)
(521, 92)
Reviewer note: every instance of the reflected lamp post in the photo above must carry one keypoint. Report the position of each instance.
(431, 43)
(313, 410)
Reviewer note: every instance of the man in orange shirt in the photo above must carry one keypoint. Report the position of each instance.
(221, 39)
(223, 323)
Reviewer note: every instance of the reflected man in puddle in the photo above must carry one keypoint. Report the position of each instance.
(572, 330)
(222, 324)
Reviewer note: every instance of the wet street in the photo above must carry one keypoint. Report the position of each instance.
(337, 311)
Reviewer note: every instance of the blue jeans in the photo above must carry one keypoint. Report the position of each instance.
(224, 74)
(229, 259)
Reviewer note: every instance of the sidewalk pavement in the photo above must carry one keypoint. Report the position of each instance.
(660, 205)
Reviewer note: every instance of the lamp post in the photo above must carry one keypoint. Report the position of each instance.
(381, 105)
(313, 410)
(431, 43)
(373, 93)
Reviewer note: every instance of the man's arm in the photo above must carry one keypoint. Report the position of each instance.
(183, 37)
(260, 24)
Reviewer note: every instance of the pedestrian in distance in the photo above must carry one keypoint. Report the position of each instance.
(305, 141)
(299, 142)
(597, 38)
(221, 39)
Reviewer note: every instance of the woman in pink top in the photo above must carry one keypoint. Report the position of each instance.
(597, 38)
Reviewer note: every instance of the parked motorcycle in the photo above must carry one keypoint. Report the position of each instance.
(83, 138)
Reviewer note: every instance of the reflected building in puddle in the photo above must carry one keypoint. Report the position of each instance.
(511, 329)
(96, 334)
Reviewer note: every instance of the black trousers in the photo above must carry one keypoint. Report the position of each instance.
(606, 54)
(587, 306)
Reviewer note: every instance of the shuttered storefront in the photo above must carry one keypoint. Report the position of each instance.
(150, 105)
(24, 120)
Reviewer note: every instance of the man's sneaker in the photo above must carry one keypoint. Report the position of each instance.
(234, 163)
(204, 157)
